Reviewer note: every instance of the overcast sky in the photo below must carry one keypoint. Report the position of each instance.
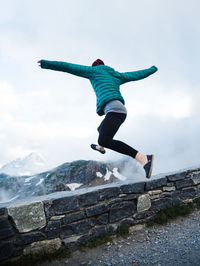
(54, 113)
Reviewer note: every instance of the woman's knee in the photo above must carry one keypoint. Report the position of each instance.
(104, 142)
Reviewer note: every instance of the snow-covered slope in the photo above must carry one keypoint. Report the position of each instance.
(32, 164)
(66, 177)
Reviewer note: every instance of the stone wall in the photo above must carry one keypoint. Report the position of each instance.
(71, 218)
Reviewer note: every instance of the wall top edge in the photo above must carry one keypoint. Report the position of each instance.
(62, 194)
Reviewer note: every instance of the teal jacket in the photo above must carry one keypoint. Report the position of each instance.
(104, 79)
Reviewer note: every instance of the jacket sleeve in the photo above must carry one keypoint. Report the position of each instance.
(136, 75)
(78, 70)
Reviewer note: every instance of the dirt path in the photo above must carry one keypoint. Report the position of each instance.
(176, 243)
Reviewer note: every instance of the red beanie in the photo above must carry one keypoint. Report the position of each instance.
(98, 62)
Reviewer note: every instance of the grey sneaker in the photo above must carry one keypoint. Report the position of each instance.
(149, 165)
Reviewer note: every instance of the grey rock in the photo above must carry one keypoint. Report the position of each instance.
(52, 225)
(89, 198)
(84, 238)
(57, 217)
(170, 184)
(176, 197)
(196, 178)
(103, 219)
(129, 197)
(107, 193)
(188, 193)
(126, 222)
(165, 194)
(155, 192)
(53, 229)
(158, 204)
(156, 183)
(48, 209)
(198, 190)
(143, 203)
(73, 217)
(98, 209)
(17, 252)
(197, 198)
(53, 234)
(133, 188)
(28, 217)
(72, 242)
(6, 250)
(184, 183)
(44, 246)
(27, 238)
(83, 226)
(79, 227)
(177, 176)
(66, 231)
(112, 228)
(142, 215)
(114, 201)
(169, 188)
(97, 231)
(65, 205)
(121, 210)
(2, 211)
(6, 229)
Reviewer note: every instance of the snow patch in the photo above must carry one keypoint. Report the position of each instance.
(29, 178)
(41, 180)
(118, 175)
(98, 174)
(73, 186)
(107, 175)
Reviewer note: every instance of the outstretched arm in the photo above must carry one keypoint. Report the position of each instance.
(78, 70)
(136, 75)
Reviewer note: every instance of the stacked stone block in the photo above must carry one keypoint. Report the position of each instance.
(74, 218)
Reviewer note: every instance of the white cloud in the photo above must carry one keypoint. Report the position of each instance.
(17, 151)
(50, 131)
(54, 112)
(164, 104)
(9, 100)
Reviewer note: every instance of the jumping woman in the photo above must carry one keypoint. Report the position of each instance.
(106, 84)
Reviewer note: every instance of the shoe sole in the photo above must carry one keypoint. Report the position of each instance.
(94, 148)
(150, 171)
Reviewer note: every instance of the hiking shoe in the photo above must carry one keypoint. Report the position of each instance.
(149, 165)
(94, 147)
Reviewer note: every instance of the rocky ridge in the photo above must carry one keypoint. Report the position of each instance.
(66, 177)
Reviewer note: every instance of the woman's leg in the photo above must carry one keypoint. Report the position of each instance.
(108, 129)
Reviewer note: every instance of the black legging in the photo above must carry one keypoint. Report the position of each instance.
(108, 128)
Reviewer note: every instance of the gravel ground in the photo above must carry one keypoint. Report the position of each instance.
(176, 243)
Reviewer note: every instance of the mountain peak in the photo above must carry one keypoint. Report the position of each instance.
(33, 163)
